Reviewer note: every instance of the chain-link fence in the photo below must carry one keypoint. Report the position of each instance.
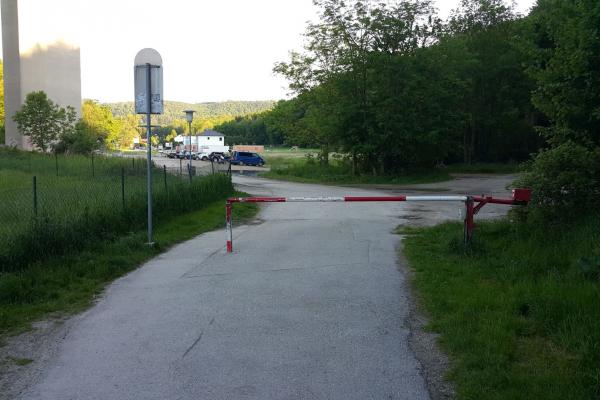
(181, 167)
(51, 204)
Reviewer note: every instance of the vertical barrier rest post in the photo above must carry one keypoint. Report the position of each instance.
(228, 227)
(469, 223)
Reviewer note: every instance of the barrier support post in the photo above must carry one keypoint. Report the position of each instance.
(228, 227)
(469, 219)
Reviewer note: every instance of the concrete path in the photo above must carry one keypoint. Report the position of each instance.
(311, 305)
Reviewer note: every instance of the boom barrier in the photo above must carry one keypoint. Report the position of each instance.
(519, 197)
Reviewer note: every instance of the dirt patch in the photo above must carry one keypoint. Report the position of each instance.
(435, 364)
(24, 356)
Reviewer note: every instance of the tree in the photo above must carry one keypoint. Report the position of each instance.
(171, 136)
(129, 129)
(43, 121)
(101, 122)
(81, 140)
(567, 69)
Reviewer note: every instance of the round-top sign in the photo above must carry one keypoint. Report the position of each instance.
(148, 78)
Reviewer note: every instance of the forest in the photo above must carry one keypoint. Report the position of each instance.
(391, 86)
(174, 110)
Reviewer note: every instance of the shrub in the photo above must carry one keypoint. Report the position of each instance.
(565, 182)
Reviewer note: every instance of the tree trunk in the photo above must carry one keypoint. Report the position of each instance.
(324, 156)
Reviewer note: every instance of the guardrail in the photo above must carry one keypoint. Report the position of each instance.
(519, 197)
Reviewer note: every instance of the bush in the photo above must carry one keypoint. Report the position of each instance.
(80, 140)
(565, 182)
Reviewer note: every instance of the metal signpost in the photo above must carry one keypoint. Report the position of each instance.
(148, 76)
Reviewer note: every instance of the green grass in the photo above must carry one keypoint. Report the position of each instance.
(80, 200)
(20, 361)
(518, 312)
(68, 283)
(302, 170)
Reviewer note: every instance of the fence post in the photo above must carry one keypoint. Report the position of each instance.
(190, 172)
(212, 166)
(165, 175)
(133, 162)
(93, 169)
(123, 187)
(35, 205)
(180, 167)
(56, 162)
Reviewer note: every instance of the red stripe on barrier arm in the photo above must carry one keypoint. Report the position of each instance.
(492, 200)
(371, 198)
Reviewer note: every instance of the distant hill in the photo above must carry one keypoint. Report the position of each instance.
(174, 109)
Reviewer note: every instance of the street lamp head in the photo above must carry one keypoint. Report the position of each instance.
(189, 115)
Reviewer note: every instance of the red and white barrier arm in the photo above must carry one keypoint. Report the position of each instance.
(519, 197)
(342, 199)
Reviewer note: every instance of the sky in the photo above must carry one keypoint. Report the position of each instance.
(212, 50)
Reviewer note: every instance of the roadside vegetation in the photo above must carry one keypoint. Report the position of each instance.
(338, 171)
(78, 200)
(518, 311)
(393, 87)
(84, 224)
(65, 284)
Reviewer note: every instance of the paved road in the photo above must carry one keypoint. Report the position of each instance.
(311, 305)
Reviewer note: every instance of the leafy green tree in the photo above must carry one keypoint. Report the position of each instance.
(81, 140)
(566, 50)
(128, 130)
(43, 120)
(101, 122)
(171, 136)
(567, 69)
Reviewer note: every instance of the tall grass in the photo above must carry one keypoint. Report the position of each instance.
(80, 200)
(519, 312)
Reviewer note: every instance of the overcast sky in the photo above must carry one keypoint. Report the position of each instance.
(212, 50)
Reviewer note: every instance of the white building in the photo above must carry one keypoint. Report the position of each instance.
(208, 141)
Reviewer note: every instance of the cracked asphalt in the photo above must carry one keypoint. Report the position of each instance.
(311, 305)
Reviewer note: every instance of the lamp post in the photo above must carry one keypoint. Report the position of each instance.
(189, 116)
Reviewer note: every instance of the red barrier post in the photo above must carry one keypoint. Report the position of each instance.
(469, 219)
(228, 227)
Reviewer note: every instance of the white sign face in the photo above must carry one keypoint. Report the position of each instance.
(148, 60)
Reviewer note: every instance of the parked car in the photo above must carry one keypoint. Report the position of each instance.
(217, 157)
(246, 158)
(204, 156)
(172, 154)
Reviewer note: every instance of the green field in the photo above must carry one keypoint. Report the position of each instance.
(68, 283)
(79, 200)
(89, 226)
(308, 170)
(519, 312)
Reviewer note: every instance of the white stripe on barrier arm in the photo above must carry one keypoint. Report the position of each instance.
(436, 198)
(313, 199)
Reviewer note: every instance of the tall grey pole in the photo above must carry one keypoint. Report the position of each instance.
(149, 143)
(190, 124)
